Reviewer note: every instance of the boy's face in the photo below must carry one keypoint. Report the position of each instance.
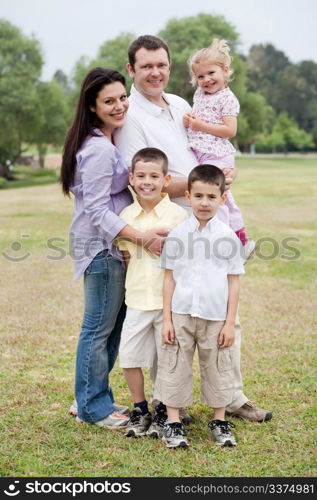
(148, 180)
(205, 200)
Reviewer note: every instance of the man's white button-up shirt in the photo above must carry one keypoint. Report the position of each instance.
(201, 262)
(149, 125)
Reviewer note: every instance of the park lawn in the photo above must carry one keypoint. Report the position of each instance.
(40, 315)
(26, 176)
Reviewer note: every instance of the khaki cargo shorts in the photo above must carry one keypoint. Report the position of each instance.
(175, 364)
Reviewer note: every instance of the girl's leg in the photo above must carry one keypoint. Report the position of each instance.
(99, 337)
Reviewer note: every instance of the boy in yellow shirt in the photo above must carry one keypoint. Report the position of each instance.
(141, 332)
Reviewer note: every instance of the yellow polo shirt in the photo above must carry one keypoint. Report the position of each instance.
(144, 280)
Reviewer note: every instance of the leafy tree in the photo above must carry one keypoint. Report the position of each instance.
(62, 79)
(285, 136)
(256, 117)
(53, 117)
(287, 87)
(263, 64)
(112, 54)
(186, 35)
(20, 68)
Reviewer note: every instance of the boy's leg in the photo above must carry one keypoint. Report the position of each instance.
(137, 349)
(219, 413)
(172, 414)
(135, 381)
(174, 434)
(216, 379)
(186, 419)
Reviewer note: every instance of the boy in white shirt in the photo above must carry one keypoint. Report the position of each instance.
(202, 263)
(141, 332)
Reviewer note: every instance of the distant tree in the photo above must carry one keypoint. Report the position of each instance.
(62, 79)
(53, 117)
(263, 64)
(112, 54)
(287, 87)
(256, 117)
(186, 35)
(20, 68)
(285, 136)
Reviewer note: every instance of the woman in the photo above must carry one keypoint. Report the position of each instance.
(94, 172)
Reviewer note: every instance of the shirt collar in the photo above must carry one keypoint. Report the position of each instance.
(147, 105)
(159, 209)
(194, 223)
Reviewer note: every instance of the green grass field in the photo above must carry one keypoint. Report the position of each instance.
(40, 315)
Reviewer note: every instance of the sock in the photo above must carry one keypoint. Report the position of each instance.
(242, 235)
(143, 407)
(160, 407)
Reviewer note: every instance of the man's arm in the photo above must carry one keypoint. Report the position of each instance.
(226, 336)
(168, 334)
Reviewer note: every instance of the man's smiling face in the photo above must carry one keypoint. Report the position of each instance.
(151, 72)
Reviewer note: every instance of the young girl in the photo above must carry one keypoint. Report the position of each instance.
(214, 121)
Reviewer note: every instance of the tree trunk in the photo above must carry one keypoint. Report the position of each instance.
(42, 149)
(6, 172)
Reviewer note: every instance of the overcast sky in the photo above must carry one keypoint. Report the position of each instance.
(69, 29)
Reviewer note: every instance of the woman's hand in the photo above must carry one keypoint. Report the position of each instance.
(153, 240)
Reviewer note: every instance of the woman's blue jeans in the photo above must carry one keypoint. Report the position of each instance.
(100, 336)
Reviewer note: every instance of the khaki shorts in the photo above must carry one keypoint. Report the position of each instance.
(175, 371)
(140, 338)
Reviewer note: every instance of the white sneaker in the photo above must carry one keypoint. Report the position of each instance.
(175, 436)
(248, 249)
(124, 410)
(113, 421)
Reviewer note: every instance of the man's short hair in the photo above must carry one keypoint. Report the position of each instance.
(150, 154)
(148, 42)
(209, 174)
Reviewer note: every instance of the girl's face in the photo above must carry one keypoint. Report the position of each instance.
(111, 107)
(210, 77)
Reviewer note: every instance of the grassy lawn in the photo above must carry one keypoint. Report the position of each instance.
(40, 315)
(27, 176)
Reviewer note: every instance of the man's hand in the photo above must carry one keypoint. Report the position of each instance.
(226, 336)
(153, 240)
(186, 120)
(230, 175)
(168, 335)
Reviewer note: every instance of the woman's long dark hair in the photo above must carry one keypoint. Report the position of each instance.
(85, 120)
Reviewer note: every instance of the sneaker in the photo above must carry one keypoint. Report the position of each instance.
(250, 412)
(221, 433)
(248, 249)
(156, 428)
(185, 418)
(113, 421)
(124, 410)
(138, 423)
(175, 435)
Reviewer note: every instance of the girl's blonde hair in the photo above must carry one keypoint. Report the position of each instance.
(217, 53)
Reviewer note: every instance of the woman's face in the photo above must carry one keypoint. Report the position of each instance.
(111, 107)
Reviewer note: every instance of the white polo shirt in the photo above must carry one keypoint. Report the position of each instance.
(149, 125)
(201, 262)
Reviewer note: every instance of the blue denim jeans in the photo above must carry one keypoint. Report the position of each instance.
(100, 336)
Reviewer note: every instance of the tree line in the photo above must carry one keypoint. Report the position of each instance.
(278, 98)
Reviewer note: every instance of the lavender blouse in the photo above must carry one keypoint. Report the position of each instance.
(101, 193)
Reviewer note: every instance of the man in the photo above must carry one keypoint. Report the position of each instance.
(155, 119)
